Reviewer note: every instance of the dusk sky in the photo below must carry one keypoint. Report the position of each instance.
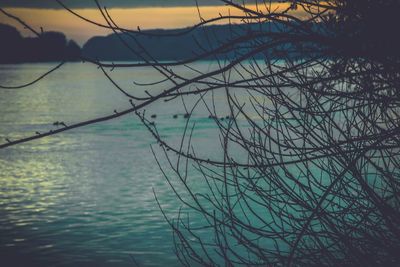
(148, 14)
(109, 3)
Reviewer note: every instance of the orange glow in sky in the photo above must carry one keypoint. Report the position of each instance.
(147, 18)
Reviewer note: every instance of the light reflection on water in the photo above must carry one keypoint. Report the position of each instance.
(83, 196)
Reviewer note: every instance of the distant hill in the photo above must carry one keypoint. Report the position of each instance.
(51, 46)
(111, 48)
(151, 44)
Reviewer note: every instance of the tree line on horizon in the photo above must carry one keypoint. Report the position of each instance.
(162, 44)
(50, 46)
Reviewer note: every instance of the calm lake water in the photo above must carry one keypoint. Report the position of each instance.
(85, 197)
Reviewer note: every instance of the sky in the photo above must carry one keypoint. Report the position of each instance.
(109, 3)
(147, 14)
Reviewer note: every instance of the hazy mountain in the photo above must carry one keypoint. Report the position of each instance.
(150, 44)
(134, 46)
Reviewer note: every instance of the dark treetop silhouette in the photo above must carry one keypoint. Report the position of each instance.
(50, 46)
(316, 182)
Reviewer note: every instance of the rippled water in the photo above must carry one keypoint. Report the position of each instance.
(84, 197)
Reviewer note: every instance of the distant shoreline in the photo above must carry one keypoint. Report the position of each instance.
(202, 43)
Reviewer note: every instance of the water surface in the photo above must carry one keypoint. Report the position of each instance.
(85, 197)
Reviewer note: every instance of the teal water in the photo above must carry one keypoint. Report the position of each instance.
(85, 197)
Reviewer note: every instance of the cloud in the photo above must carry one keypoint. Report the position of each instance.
(108, 3)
